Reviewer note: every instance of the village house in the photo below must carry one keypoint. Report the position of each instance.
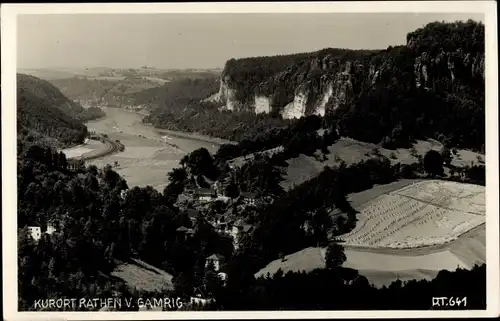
(184, 232)
(223, 277)
(200, 298)
(216, 259)
(239, 228)
(75, 164)
(193, 215)
(218, 222)
(248, 198)
(204, 194)
(36, 231)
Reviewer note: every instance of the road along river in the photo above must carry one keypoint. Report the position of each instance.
(149, 153)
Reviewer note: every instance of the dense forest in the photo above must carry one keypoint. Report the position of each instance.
(344, 289)
(44, 90)
(39, 122)
(431, 87)
(45, 116)
(94, 221)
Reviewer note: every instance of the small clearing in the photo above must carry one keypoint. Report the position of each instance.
(424, 213)
(351, 151)
(143, 276)
(76, 151)
(80, 150)
(383, 266)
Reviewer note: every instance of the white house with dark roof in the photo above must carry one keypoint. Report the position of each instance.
(248, 198)
(75, 164)
(200, 297)
(36, 231)
(185, 232)
(216, 259)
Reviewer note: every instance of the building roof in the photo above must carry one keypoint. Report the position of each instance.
(248, 194)
(192, 213)
(182, 229)
(239, 222)
(204, 191)
(215, 257)
(247, 227)
(74, 161)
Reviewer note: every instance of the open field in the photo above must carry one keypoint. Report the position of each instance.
(409, 229)
(352, 151)
(384, 266)
(421, 214)
(74, 152)
(142, 276)
(89, 147)
(147, 157)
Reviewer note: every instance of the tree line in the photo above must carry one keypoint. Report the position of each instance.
(95, 220)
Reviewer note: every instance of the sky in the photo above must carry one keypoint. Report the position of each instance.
(179, 41)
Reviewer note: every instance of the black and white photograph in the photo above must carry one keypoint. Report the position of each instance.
(250, 159)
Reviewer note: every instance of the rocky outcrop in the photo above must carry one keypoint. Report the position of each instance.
(225, 96)
(321, 82)
(427, 69)
(262, 105)
(297, 108)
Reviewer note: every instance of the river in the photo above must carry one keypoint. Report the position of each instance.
(150, 153)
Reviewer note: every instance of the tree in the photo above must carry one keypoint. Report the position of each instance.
(211, 281)
(183, 284)
(335, 255)
(446, 155)
(433, 163)
(177, 175)
(232, 190)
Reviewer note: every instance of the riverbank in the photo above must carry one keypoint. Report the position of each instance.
(148, 157)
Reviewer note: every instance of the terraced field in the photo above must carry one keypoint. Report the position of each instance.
(421, 214)
(409, 229)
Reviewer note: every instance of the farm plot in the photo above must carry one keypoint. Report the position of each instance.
(142, 276)
(467, 198)
(422, 214)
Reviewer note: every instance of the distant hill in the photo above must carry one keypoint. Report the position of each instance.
(44, 90)
(125, 88)
(47, 74)
(47, 117)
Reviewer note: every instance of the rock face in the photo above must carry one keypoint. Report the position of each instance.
(225, 96)
(262, 105)
(321, 82)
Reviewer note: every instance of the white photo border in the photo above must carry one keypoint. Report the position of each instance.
(9, 14)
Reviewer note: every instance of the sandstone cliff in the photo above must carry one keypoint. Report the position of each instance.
(319, 83)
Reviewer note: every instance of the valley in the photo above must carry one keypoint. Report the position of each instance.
(330, 179)
(149, 153)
